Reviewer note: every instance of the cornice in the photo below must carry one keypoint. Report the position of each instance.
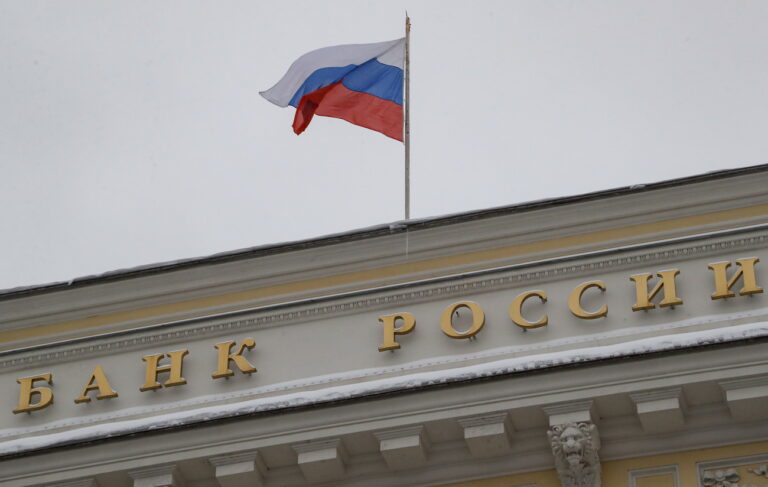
(735, 187)
(405, 249)
(218, 441)
(386, 297)
(623, 377)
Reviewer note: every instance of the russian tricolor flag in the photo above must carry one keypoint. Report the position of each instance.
(360, 83)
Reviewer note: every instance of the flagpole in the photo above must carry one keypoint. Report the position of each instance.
(407, 121)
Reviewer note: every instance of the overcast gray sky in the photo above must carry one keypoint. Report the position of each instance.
(132, 132)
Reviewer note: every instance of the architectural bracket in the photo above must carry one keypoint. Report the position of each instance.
(746, 397)
(157, 476)
(239, 470)
(661, 411)
(322, 460)
(487, 435)
(404, 448)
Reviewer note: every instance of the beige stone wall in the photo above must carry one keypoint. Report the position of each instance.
(670, 470)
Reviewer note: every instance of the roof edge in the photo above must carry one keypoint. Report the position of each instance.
(399, 226)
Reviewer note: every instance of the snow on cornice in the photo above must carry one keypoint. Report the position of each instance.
(419, 380)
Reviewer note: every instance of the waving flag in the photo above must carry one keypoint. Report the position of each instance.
(360, 83)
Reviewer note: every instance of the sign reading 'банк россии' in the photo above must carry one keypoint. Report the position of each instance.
(36, 392)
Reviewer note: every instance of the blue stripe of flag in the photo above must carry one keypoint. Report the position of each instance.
(373, 77)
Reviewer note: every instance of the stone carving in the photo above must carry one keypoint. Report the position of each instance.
(721, 478)
(724, 478)
(575, 448)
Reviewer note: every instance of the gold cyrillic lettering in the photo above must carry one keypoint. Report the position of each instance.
(225, 357)
(478, 320)
(27, 392)
(98, 381)
(390, 329)
(516, 310)
(746, 271)
(174, 369)
(643, 297)
(574, 301)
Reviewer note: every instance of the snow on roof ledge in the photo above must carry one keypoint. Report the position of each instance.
(28, 444)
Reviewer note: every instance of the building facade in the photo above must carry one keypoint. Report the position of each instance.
(617, 338)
